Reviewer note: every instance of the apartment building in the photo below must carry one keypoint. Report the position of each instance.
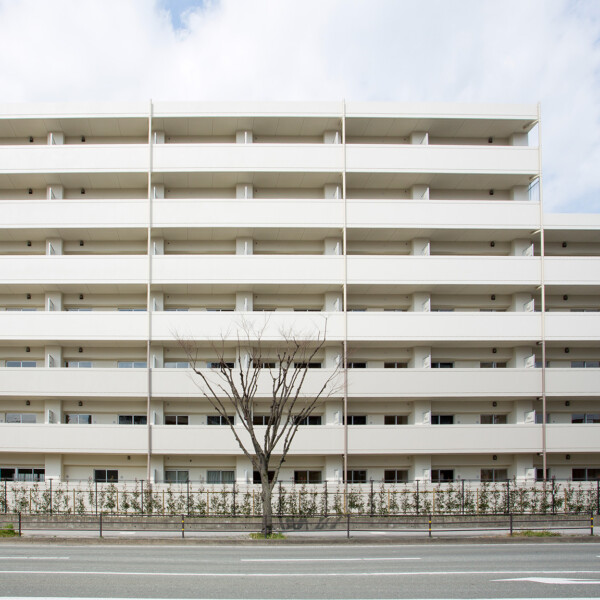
(415, 232)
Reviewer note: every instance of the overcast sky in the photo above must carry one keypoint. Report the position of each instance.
(420, 50)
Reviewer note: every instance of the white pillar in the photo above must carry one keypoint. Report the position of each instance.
(243, 470)
(334, 469)
(53, 301)
(158, 246)
(421, 358)
(420, 138)
(334, 411)
(518, 139)
(53, 411)
(332, 246)
(158, 301)
(420, 302)
(333, 357)
(519, 193)
(157, 357)
(522, 469)
(521, 248)
(332, 137)
(332, 191)
(243, 137)
(419, 192)
(244, 302)
(54, 246)
(53, 357)
(53, 466)
(158, 191)
(157, 468)
(333, 302)
(521, 303)
(244, 191)
(521, 358)
(158, 137)
(420, 247)
(421, 468)
(56, 138)
(55, 192)
(244, 246)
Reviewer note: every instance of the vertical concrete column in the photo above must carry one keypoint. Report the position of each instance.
(334, 411)
(334, 469)
(421, 414)
(333, 357)
(521, 248)
(56, 138)
(419, 192)
(244, 246)
(521, 303)
(243, 137)
(332, 191)
(519, 193)
(53, 411)
(333, 302)
(419, 138)
(157, 356)
(420, 247)
(55, 192)
(53, 465)
(421, 468)
(243, 470)
(157, 412)
(522, 469)
(158, 246)
(519, 139)
(53, 357)
(420, 302)
(53, 301)
(158, 191)
(421, 358)
(158, 301)
(244, 301)
(332, 137)
(244, 191)
(523, 412)
(157, 468)
(158, 137)
(54, 246)
(522, 358)
(332, 246)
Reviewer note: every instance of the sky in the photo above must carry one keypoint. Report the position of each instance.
(530, 51)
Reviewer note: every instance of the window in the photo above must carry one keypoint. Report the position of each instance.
(356, 420)
(585, 364)
(256, 476)
(177, 476)
(262, 364)
(180, 364)
(75, 419)
(105, 475)
(79, 364)
(218, 420)
(585, 418)
(78, 309)
(492, 365)
(442, 365)
(311, 420)
(493, 475)
(260, 420)
(539, 418)
(220, 476)
(217, 365)
(586, 474)
(442, 475)
(356, 476)
(132, 420)
(493, 419)
(394, 365)
(307, 477)
(131, 309)
(357, 365)
(131, 364)
(19, 309)
(395, 476)
(177, 309)
(20, 418)
(539, 474)
(22, 474)
(310, 365)
(395, 420)
(219, 310)
(21, 363)
(177, 420)
(442, 419)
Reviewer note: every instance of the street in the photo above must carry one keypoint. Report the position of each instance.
(473, 570)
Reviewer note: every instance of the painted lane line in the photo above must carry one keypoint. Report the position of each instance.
(311, 574)
(35, 558)
(555, 580)
(326, 559)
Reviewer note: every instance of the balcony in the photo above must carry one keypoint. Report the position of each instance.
(256, 158)
(573, 438)
(577, 383)
(80, 158)
(573, 326)
(572, 271)
(510, 160)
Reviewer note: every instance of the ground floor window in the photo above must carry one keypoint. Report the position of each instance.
(256, 476)
(22, 474)
(356, 476)
(493, 475)
(395, 476)
(307, 477)
(539, 474)
(220, 476)
(105, 475)
(177, 476)
(442, 475)
(586, 474)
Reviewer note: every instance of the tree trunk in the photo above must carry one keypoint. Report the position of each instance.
(267, 508)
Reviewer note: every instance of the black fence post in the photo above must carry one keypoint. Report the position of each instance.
(188, 497)
(5, 496)
(96, 495)
(430, 517)
(50, 496)
(592, 522)
(462, 496)
(233, 507)
(279, 502)
(417, 500)
(20, 524)
(553, 498)
(348, 525)
(100, 524)
(371, 499)
(182, 526)
(142, 496)
(508, 496)
(510, 518)
(325, 492)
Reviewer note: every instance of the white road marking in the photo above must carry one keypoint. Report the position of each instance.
(321, 559)
(555, 580)
(311, 574)
(35, 558)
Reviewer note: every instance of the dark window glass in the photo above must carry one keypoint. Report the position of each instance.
(307, 477)
(395, 420)
(442, 419)
(356, 476)
(442, 475)
(395, 476)
(256, 476)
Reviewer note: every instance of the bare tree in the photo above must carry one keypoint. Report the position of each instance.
(234, 388)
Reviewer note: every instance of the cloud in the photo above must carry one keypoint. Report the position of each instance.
(431, 50)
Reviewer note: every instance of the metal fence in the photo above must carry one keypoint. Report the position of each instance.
(231, 500)
(181, 526)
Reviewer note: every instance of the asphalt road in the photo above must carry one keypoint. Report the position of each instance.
(526, 570)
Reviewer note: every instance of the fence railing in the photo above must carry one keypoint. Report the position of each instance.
(231, 500)
(430, 525)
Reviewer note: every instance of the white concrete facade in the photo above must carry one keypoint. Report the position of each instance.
(416, 232)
